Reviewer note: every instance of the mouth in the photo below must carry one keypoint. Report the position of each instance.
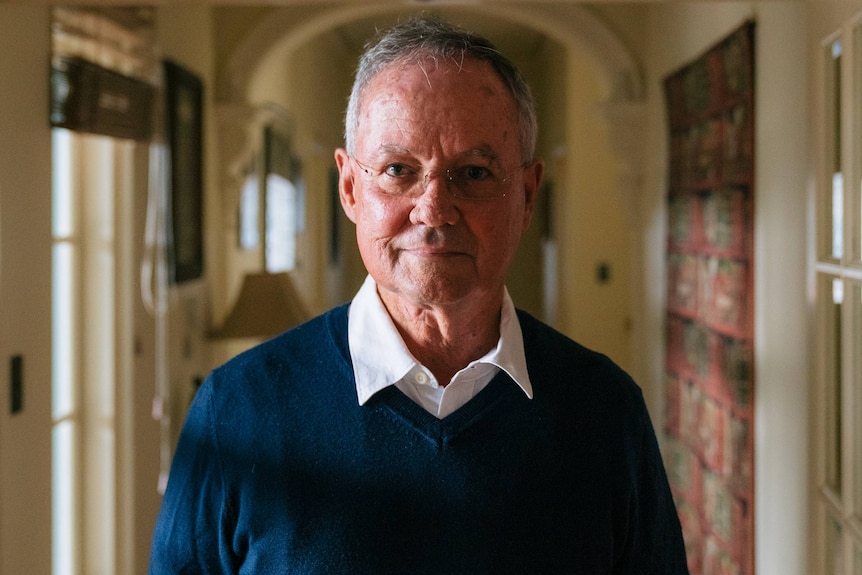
(433, 252)
(433, 245)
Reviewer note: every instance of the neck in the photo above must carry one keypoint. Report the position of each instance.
(445, 338)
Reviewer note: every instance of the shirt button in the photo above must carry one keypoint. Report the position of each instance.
(421, 378)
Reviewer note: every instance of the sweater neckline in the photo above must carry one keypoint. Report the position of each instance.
(393, 403)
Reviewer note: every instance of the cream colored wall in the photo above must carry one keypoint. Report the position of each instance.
(782, 334)
(591, 228)
(25, 288)
(528, 274)
(549, 91)
(678, 33)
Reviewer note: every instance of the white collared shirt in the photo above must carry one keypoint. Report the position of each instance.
(381, 358)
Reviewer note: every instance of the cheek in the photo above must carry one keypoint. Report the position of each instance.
(500, 236)
(379, 220)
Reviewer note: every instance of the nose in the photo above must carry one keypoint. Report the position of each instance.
(435, 207)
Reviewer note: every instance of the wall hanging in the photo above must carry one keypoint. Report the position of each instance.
(709, 416)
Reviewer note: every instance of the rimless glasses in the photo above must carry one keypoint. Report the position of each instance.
(469, 182)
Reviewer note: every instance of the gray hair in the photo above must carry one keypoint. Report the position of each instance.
(429, 38)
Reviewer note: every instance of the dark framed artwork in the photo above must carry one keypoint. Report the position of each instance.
(184, 129)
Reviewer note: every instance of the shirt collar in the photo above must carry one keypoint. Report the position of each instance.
(380, 357)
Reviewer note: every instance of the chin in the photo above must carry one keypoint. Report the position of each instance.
(437, 290)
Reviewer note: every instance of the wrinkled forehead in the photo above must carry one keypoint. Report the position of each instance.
(438, 91)
(430, 64)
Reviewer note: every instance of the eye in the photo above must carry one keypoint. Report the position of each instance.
(396, 170)
(472, 174)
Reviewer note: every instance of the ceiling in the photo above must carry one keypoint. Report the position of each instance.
(512, 39)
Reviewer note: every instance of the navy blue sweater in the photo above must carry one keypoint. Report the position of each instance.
(278, 470)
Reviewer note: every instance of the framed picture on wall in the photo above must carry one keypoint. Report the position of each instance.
(184, 129)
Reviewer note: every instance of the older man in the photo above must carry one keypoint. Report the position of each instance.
(428, 427)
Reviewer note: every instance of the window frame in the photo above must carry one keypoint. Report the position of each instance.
(837, 390)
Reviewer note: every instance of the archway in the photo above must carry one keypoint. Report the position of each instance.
(582, 36)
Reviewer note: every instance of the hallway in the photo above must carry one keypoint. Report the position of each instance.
(593, 265)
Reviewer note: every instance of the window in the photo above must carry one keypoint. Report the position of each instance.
(64, 398)
(92, 222)
(838, 385)
(282, 219)
(283, 201)
(91, 186)
(272, 201)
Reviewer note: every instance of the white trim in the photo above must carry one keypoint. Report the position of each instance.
(842, 505)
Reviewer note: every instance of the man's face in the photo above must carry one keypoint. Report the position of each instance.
(429, 247)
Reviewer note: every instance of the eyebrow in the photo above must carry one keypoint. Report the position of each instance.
(392, 149)
(484, 151)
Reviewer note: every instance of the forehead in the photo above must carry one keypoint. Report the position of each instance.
(438, 102)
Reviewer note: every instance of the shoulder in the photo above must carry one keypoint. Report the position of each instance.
(316, 346)
(561, 366)
(319, 333)
(547, 348)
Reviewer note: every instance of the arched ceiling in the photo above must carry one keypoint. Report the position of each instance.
(512, 38)
(518, 30)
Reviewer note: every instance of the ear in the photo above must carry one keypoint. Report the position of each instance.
(346, 189)
(532, 182)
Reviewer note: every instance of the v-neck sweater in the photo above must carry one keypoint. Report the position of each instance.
(279, 470)
(381, 358)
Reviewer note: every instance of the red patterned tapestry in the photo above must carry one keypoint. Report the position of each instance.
(709, 367)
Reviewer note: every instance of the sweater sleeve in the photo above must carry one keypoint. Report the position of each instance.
(655, 544)
(192, 533)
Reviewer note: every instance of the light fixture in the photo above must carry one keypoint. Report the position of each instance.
(267, 305)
